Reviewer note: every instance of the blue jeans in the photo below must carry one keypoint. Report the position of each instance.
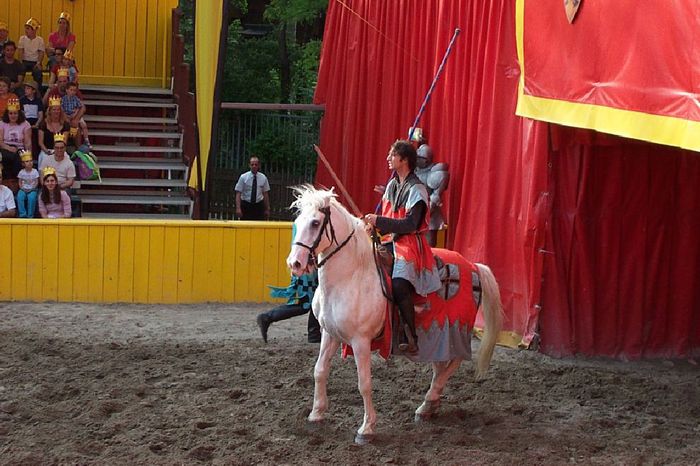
(26, 203)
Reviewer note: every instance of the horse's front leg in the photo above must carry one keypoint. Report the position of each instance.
(442, 371)
(363, 361)
(329, 346)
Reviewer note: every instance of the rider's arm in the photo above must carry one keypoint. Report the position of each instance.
(403, 226)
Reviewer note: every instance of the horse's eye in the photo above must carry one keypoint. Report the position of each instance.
(315, 223)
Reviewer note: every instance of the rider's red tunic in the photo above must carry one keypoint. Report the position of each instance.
(413, 258)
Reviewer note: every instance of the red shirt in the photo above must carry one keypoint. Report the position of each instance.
(57, 41)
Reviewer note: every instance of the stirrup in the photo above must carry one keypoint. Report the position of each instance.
(410, 346)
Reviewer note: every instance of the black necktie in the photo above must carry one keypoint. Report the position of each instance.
(254, 189)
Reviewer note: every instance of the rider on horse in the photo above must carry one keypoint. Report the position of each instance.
(405, 215)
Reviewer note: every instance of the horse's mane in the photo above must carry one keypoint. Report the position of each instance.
(309, 197)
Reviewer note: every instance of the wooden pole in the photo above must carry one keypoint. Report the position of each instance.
(338, 183)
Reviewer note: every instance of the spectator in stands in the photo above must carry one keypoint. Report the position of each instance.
(65, 60)
(31, 104)
(55, 122)
(74, 109)
(5, 94)
(15, 134)
(28, 184)
(59, 89)
(4, 34)
(64, 168)
(54, 202)
(12, 68)
(8, 209)
(252, 194)
(61, 38)
(31, 50)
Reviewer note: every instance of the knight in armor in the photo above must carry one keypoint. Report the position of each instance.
(436, 177)
(405, 216)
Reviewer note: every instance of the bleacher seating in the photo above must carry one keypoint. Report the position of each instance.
(135, 135)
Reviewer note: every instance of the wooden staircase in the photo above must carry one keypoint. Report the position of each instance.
(135, 135)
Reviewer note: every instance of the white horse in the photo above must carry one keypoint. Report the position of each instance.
(351, 307)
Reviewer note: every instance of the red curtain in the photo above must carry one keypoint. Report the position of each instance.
(593, 238)
(622, 279)
(377, 63)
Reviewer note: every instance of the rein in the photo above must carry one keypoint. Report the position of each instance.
(380, 253)
(326, 211)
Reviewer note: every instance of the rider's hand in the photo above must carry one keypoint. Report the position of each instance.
(371, 219)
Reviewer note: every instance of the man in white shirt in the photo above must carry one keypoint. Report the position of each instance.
(65, 170)
(8, 209)
(252, 194)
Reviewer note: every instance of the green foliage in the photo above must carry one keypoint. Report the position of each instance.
(294, 11)
(282, 149)
(251, 70)
(305, 71)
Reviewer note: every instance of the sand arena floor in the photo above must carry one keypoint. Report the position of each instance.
(152, 385)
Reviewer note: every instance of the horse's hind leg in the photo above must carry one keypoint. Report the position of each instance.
(329, 346)
(442, 371)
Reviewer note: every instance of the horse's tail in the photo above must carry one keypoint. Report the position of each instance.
(493, 318)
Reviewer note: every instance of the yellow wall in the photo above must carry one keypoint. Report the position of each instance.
(142, 261)
(123, 42)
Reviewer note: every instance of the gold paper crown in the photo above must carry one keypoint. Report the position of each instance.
(54, 101)
(58, 137)
(26, 156)
(73, 131)
(13, 105)
(48, 171)
(64, 15)
(62, 72)
(3, 26)
(33, 23)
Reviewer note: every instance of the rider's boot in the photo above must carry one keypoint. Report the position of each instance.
(408, 315)
(282, 312)
(313, 328)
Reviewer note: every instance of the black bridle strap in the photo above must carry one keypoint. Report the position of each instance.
(340, 246)
(326, 211)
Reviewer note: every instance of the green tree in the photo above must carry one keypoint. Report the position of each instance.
(277, 67)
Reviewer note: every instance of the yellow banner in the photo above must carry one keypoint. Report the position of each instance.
(207, 36)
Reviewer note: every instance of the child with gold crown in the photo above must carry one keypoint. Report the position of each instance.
(15, 135)
(31, 50)
(28, 183)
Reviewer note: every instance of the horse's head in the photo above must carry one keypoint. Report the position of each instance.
(314, 230)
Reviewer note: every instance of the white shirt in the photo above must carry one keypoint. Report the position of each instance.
(7, 199)
(31, 47)
(64, 169)
(28, 181)
(245, 185)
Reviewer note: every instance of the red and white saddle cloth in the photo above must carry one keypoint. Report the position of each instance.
(444, 320)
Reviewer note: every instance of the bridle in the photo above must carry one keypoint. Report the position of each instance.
(326, 211)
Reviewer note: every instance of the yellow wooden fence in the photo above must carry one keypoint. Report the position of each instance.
(119, 42)
(142, 261)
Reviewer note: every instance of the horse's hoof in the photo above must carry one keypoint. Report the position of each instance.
(426, 411)
(363, 439)
(424, 417)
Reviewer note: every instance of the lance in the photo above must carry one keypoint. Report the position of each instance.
(432, 85)
(338, 183)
